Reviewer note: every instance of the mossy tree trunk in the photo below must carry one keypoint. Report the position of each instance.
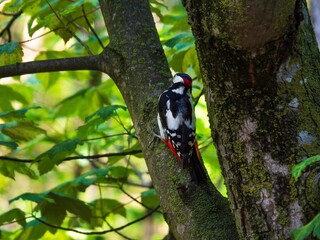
(135, 60)
(140, 70)
(260, 63)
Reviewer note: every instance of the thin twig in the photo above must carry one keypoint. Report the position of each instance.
(116, 231)
(196, 100)
(97, 232)
(69, 31)
(12, 159)
(91, 28)
(138, 184)
(15, 221)
(135, 199)
(7, 13)
(103, 137)
(50, 31)
(41, 35)
(8, 26)
(122, 125)
(104, 155)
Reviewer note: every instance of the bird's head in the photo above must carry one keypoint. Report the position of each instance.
(183, 78)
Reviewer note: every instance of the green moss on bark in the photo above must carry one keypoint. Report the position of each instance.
(263, 111)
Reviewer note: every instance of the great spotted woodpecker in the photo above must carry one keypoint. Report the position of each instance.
(176, 120)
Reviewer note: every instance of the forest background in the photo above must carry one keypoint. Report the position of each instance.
(70, 161)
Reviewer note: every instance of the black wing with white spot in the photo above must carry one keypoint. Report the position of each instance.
(176, 115)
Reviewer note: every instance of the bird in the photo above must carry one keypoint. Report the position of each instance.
(177, 125)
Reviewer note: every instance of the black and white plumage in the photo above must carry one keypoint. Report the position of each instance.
(176, 121)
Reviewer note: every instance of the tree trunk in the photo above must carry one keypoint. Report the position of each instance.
(135, 60)
(260, 65)
(141, 72)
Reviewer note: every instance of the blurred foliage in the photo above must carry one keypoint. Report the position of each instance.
(298, 169)
(313, 227)
(10, 53)
(308, 230)
(70, 161)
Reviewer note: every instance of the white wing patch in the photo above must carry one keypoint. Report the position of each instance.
(162, 133)
(173, 123)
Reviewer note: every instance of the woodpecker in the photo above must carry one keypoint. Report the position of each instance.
(176, 121)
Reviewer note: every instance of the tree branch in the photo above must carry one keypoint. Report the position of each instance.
(85, 46)
(91, 28)
(97, 232)
(52, 65)
(8, 26)
(12, 159)
(105, 62)
(103, 155)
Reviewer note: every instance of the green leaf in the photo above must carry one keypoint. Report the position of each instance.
(17, 5)
(190, 60)
(9, 95)
(13, 214)
(12, 145)
(82, 182)
(13, 6)
(106, 112)
(114, 159)
(297, 170)
(175, 40)
(8, 125)
(60, 16)
(10, 53)
(8, 169)
(101, 208)
(56, 154)
(119, 172)
(89, 178)
(316, 230)
(23, 131)
(150, 198)
(88, 128)
(95, 119)
(82, 103)
(77, 207)
(33, 230)
(16, 114)
(66, 203)
(176, 61)
(8, 47)
(34, 197)
(303, 232)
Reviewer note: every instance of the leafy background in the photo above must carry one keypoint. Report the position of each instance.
(70, 162)
(71, 165)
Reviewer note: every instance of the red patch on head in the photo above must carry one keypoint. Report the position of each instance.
(187, 82)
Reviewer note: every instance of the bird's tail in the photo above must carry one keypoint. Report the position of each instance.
(196, 168)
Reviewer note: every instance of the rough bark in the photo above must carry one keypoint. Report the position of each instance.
(261, 73)
(134, 58)
(141, 72)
